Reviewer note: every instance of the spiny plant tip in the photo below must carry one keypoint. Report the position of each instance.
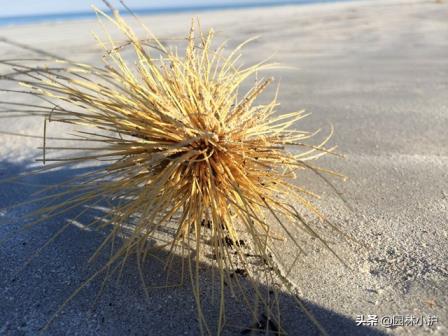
(179, 147)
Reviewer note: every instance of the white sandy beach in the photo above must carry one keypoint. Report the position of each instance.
(376, 70)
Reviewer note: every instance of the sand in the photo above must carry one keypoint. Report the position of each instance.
(376, 70)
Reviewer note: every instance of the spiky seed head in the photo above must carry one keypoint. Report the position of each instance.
(180, 147)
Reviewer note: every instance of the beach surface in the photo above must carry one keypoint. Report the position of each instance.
(378, 72)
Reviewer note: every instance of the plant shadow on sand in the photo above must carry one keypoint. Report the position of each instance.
(31, 296)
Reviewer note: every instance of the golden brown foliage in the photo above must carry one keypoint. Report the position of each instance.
(180, 150)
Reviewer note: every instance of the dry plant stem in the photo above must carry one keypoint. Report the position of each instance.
(179, 146)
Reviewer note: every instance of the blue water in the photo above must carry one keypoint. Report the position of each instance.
(14, 20)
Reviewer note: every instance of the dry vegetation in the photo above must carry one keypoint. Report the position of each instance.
(180, 149)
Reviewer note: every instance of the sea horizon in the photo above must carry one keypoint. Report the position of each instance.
(87, 14)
